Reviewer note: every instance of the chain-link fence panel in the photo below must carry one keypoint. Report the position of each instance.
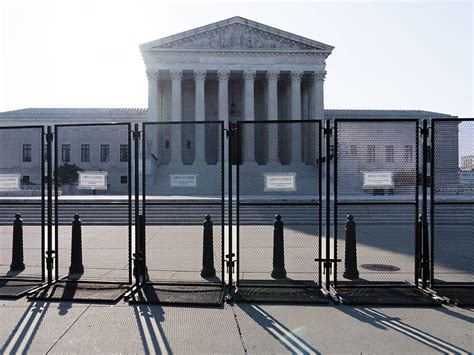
(278, 203)
(376, 200)
(183, 201)
(452, 201)
(22, 203)
(93, 210)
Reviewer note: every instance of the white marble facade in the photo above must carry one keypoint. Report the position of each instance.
(233, 70)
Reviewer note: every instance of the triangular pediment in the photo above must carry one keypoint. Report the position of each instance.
(236, 33)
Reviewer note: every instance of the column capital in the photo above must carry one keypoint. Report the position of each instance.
(152, 75)
(176, 74)
(319, 76)
(199, 75)
(249, 75)
(272, 75)
(223, 75)
(296, 75)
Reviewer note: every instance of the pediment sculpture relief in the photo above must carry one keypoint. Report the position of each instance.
(236, 36)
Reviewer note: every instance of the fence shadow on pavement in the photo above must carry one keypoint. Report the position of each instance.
(285, 336)
(149, 321)
(22, 335)
(382, 321)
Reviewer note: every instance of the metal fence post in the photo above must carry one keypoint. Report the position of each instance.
(49, 252)
(424, 208)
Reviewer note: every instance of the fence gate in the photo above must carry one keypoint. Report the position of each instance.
(376, 207)
(92, 212)
(452, 209)
(279, 211)
(22, 210)
(183, 207)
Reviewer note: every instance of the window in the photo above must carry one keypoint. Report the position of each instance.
(389, 154)
(408, 153)
(167, 144)
(371, 153)
(188, 144)
(104, 153)
(123, 152)
(85, 153)
(123, 179)
(353, 150)
(66, 153)
(26, 152)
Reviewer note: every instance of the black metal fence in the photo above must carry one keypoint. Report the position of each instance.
(278, 196)
(183, 202)
(93, 202)
(376, 202)
(22, 203)
(398, 211)
(452, 202)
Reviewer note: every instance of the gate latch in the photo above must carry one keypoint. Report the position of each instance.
(230, 263)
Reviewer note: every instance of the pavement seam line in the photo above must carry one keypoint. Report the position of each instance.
(239, 330)
(64, 333)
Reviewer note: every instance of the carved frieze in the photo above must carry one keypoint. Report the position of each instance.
(236, 36)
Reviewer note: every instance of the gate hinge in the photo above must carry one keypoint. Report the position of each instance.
(327, 131)
(424, 131)
(136, 135)
(49, 137)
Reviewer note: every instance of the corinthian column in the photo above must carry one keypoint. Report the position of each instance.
(317, 99)
(199, 115)
(223, 101)
(153, 95)
(249, 115)
(296, 116)
(176, 78)
(272, 111)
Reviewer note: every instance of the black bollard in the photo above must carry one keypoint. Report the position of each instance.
(76, 247)
(208, 269)
(17, 247)
(350, 260)
(278, 271)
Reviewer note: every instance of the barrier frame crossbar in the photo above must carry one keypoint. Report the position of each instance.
(30, 283)
(448, 289)
(267, 291)
(388, 289)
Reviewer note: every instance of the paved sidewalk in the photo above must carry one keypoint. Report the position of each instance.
(42, 327)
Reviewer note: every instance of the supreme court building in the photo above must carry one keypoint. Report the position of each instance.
(231, 70)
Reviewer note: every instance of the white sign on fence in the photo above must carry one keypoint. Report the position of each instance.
(466, 177)
(92, 180)
(10, 182)
(378, 179)
(183, 180)
(280, 182)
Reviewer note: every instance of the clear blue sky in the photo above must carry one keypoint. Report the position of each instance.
(388, 55)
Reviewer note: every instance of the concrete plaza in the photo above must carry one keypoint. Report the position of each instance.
(43, 327)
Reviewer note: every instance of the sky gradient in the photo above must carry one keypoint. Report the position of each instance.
(388, 55)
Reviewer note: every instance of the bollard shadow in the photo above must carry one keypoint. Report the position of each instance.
(454, 312)
(149, 320)
(24, 332)
(381, 321)
(285, 336)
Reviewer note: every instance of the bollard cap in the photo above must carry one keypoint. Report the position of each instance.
(76, 217)
(208, 217)
(350, 217)
(18, 216)
(278, 217)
